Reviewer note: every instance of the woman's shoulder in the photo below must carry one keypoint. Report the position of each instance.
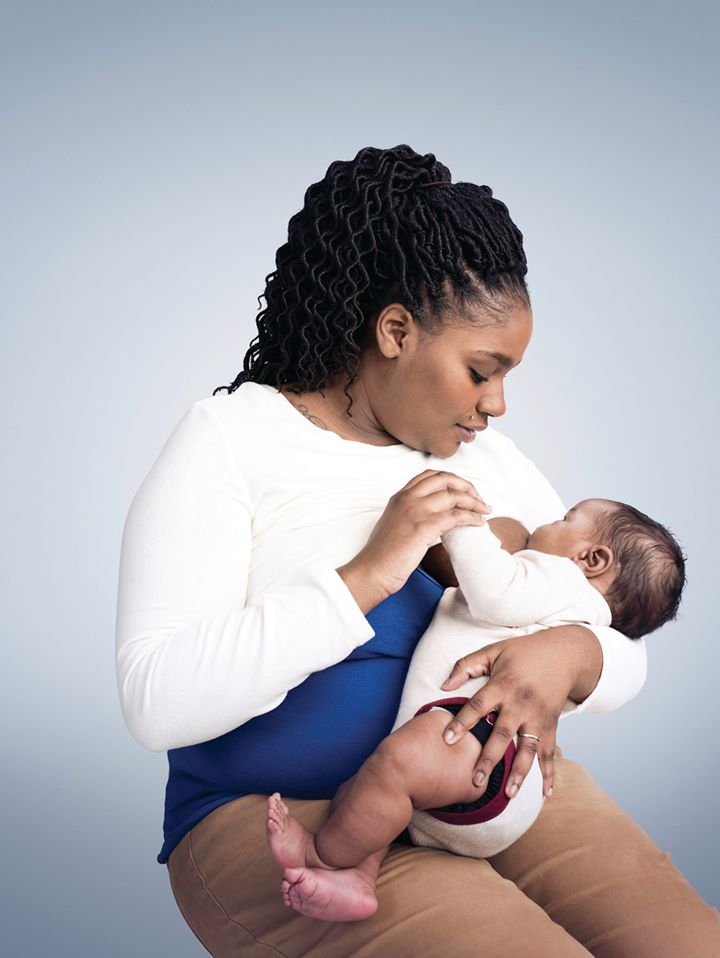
(243, 400)
(246, 411)
(220, 430)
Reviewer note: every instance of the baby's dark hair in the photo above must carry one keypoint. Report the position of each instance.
(375, 230)
(650, 577)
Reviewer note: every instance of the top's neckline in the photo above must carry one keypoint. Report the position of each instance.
(328, 435)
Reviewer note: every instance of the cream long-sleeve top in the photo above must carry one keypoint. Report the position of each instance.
(228, 593)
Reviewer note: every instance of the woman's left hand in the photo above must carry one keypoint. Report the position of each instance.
(531, 677)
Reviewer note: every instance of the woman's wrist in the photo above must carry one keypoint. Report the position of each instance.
(366, 588)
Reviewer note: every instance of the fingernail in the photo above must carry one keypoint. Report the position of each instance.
(513, 790)
(478, 778)
(549, 792)
(449, 736)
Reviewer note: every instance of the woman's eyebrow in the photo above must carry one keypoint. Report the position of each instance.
(504, 360)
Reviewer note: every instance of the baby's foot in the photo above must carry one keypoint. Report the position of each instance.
(290, 842)
(344, 894)
(317, 889)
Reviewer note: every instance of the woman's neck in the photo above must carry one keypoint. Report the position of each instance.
(327, 409)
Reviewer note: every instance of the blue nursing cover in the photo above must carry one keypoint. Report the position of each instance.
(319, 735)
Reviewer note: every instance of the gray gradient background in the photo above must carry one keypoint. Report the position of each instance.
(154, 154)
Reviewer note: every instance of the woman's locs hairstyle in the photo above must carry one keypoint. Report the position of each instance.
(388, 226)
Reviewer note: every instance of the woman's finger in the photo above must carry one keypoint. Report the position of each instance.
(546, 758)
(444, 499)
(527, 750)
(469, 715)
(432, 480)
(522, 763)
(419, 477)
(470, 666)
(493, 750)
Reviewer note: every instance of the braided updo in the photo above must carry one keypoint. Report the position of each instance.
(371, 233)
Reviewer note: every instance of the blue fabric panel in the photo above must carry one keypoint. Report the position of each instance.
(319, 735)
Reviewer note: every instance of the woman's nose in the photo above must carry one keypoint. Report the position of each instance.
(493, 401)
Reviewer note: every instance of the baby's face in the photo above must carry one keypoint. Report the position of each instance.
(568, 536)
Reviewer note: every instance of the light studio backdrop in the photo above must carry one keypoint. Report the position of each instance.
(154, 153)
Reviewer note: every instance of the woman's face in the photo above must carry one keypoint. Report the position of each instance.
(426, 386)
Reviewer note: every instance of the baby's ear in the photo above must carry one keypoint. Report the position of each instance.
(595, 559)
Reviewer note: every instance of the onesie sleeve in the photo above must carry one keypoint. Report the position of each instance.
(513, 590)
(193, 659)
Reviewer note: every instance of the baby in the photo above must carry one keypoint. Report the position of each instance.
(604, 563)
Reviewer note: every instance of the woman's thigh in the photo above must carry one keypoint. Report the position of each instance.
(598, 874)
(430, 902)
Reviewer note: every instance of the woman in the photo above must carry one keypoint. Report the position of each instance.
(271, 594)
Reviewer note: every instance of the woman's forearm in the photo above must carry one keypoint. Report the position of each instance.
(191, 683)
(623, 672)
(608, 668)
(583, 648)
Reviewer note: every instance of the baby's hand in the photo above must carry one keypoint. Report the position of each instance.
(512, 534)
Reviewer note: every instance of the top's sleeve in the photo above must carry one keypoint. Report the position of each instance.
(514, 590)
(193, 660)
(624, 666)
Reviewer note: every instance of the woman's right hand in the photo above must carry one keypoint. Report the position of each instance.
(430, 504)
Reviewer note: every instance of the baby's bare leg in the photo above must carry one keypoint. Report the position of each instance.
(332, 875)
(412, 768)
(371, 865)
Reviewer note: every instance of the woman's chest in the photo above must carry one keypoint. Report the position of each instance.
(328, 506)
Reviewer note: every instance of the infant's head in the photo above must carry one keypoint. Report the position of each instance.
(633, 560)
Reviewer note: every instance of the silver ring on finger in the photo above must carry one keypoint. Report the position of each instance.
(528, 735)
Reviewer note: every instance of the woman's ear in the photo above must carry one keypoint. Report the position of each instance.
(391, 328)
(595, 560)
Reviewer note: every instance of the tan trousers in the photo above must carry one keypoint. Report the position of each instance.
(584, 880)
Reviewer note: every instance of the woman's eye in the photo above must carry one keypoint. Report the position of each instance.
(477, 377)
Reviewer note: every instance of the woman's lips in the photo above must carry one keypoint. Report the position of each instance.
(467, 434)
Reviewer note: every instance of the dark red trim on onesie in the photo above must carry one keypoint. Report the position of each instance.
(494, 800)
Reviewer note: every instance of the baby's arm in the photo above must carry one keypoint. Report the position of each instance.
(512, 590)
(512, 534)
